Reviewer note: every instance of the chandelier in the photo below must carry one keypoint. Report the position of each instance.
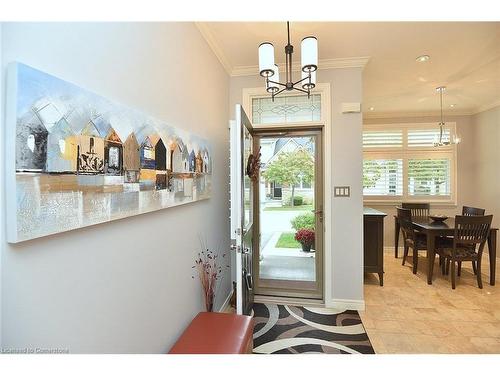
(440, 142)
(309, 63)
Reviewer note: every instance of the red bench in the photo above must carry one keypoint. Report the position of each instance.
(216, 333)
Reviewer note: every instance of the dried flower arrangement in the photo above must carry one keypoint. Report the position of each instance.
(209, 265)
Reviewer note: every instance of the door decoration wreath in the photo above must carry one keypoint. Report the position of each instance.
(253, 166)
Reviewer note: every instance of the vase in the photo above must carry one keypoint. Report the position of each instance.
(306, 247)
(209, 303)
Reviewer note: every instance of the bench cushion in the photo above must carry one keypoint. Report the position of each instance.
(216, 333)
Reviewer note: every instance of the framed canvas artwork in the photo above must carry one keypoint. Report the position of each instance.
(76, 159)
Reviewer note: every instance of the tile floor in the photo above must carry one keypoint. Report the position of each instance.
(408, 316)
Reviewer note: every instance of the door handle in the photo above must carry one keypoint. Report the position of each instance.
(235, 248)
(249, 281)
(318, 212)
(246, 250)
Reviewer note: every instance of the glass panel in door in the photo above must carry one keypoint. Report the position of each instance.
(290, 222)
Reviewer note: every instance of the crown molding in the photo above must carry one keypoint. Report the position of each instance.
(214, 46)
(487, 107)
(339, 63)
(407, 114)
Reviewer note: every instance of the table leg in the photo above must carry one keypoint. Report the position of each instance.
(396, 236)
(430, 256)
(492, 250)
(381, 278)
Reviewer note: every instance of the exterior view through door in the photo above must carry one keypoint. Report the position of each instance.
(289, 221)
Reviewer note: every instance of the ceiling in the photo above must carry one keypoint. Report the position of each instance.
(464, 56)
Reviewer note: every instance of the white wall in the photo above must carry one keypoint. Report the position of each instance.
(467, 193)
(346, 142)
(486, 162)
(124, 286)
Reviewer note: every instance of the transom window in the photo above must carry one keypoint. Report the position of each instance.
(286, 109)
(401, 163)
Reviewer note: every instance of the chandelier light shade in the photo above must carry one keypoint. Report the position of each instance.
(440, 142)
(309, 80)
(266, 59)
(272, 86)
(309, 54)
(309, 64)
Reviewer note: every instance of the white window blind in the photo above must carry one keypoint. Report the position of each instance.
(429, 177)
(382, 138)
(383, 177)
(426, 137)
(401, 163)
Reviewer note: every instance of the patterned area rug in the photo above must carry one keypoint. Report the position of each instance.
(284, 329)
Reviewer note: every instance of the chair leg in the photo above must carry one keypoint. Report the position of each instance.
(459, 272)
(415, 260)
(447, 266)
(452, 274)
(442, 262)
(478, 274)
(474, 267)
(405, 254)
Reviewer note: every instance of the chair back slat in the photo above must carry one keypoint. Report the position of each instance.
(471, 229)
(472, 211)
(405, 222)
(418, 209)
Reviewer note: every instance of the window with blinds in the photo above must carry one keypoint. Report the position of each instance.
(400, 162)
(382, 138)
(429, 177)
(383, 177)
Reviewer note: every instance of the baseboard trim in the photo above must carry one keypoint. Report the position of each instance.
(225, 305)
(346, 304)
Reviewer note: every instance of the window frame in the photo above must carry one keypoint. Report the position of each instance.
(406, 153)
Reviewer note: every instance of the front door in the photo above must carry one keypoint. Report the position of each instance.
(242, 193)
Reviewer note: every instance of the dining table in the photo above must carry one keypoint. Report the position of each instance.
(434, 229)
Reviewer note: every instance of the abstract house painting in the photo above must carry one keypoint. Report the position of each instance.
(76, 159)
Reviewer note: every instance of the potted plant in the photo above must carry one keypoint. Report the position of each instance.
(306, 238)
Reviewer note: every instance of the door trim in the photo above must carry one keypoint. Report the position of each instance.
(318, 293)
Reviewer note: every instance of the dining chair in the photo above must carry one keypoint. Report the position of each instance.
(411, 238)
(417, 209)
(470, 235)
(472, 211)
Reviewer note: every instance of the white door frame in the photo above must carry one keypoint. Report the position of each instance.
(324, 90)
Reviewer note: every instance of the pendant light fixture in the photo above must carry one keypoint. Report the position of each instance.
(440, 142)
(309, 64)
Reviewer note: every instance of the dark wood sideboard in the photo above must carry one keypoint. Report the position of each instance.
(373, 242)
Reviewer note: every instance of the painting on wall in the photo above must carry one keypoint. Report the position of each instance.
(76, 159)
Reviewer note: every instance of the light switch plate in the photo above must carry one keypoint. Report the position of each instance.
(342, 191)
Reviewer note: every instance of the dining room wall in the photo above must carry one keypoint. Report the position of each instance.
(486, 161)
(125, 286)
(467, 192)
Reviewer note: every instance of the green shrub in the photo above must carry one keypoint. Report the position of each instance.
(298, 200)
(303, 221)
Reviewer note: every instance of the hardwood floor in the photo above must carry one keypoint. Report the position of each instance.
(408, 316)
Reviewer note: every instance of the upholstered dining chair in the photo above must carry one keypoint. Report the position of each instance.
(411, 238)
(470, 235)
(417, 209)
